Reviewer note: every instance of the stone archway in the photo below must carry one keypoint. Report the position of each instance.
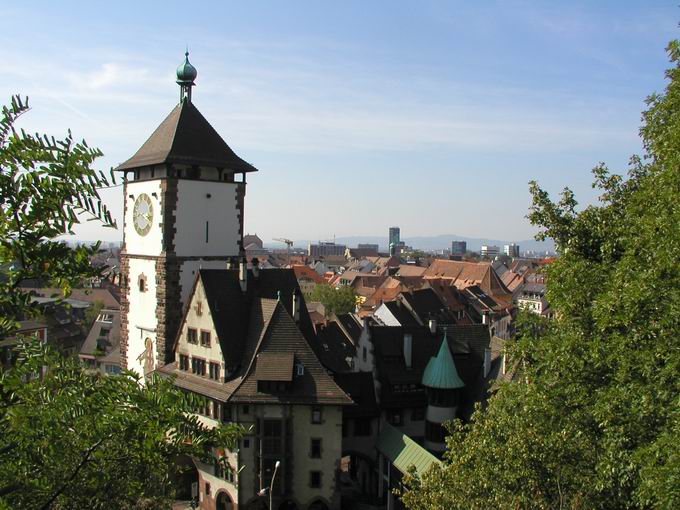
(223, 501)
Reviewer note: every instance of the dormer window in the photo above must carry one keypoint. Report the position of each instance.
(299, 369)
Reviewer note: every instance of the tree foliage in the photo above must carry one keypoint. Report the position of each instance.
(594, 421)
(337, 300)
(73, 439)
(47, 185)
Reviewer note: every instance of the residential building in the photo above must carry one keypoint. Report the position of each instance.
(246, 343)
(101, 349)
(27, 329)
(307, 278)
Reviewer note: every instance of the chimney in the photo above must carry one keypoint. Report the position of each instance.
(229, 263)
(256, 267)
(487, 361)
(243, 274)
(432, 323)
(296, 306)
(408, 350)
(485, 317)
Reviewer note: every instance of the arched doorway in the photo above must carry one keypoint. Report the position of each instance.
(223, 501)
(185, 475)
(318, 505)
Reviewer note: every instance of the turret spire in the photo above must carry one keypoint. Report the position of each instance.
(186, 74)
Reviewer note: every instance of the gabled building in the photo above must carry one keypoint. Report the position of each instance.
(244, 345)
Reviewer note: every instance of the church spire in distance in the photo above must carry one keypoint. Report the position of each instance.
(186, 74)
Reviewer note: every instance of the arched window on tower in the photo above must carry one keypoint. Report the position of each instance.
(142, 283)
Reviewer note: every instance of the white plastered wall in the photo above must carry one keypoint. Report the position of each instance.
(142, 320)
(152, 242)
(195, 208)
(189, 272)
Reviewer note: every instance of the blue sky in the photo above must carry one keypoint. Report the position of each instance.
(360, 115)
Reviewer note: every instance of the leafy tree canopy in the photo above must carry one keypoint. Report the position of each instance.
(337, 300)
(73, 439)
(46, 186)
(594, 419)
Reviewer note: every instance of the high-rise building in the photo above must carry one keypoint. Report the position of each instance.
(394, 240)
(511, 250)
(324, 249)
(490, 251)
(458, 248)
(394, 236)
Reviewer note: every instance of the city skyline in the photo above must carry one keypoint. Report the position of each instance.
(433, 121)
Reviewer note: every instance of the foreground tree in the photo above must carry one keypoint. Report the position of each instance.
(46, 187)
(69, 438)
(594, 419)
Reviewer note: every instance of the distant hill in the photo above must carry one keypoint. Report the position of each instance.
(439, 242)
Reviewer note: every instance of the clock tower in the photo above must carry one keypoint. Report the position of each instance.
(184, 192)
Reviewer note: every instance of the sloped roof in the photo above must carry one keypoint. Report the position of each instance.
(186, 137)
(281, 336)
(334, 347)
(400, 313)
(465, 274)
(274, 366)
(302, 271)
(441, 370)
(426, 304)
(403, 451)
(237, 314)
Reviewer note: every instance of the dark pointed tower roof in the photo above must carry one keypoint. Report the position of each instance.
(186, 137)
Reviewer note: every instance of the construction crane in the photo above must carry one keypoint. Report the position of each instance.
(289, 245)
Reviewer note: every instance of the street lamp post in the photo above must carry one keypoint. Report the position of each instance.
(271, 485)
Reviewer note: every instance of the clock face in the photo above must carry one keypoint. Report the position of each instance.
(142, 214)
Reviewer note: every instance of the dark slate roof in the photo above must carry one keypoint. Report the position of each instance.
(476, 292)
(359, 386)
(234, 313)
(334, 347)
(351, 326)
(400, 313)
(426, 304)
(186, 137)
(274, 366)
(280, 337)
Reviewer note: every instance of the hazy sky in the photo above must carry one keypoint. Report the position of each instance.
(360, 115)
